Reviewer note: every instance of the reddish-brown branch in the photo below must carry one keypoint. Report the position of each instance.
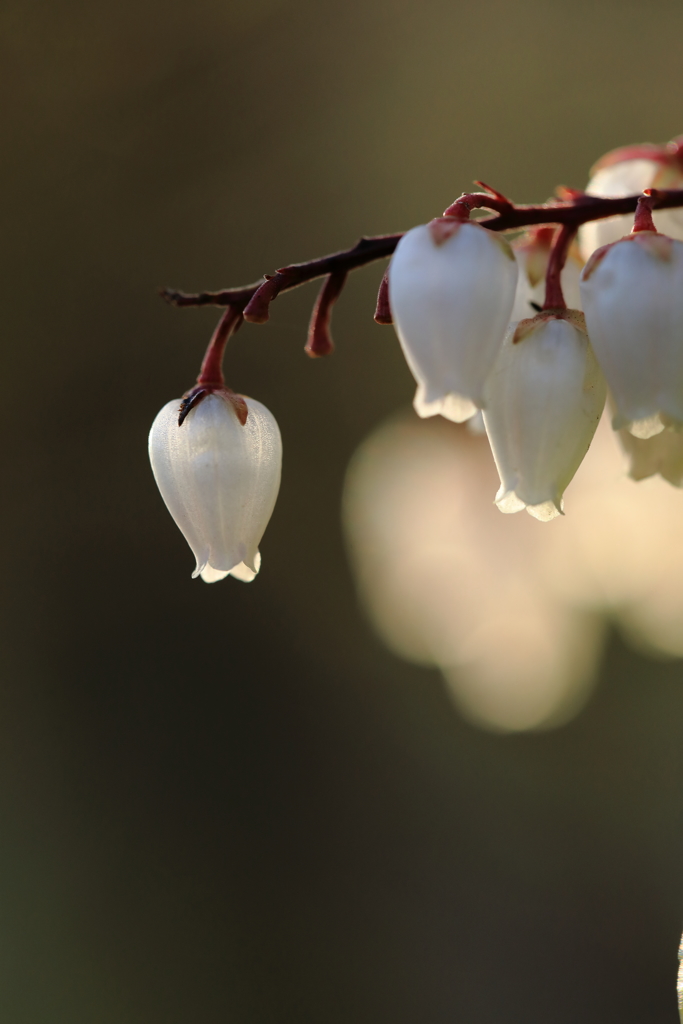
(319, 341)
(572, 210)
(366, 250)
(554, 297)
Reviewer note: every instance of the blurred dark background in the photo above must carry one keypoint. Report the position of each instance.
(229, 803)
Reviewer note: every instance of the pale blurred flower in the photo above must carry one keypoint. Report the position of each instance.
(451, 287)
(219, 479)
(448, 581)
(621, 550)
(661, 454)
(632, 293)
(544, 399)
(510, 611)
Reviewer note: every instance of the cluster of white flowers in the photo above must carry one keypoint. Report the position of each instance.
(463, 300)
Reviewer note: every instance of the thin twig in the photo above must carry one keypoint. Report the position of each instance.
(572, 210)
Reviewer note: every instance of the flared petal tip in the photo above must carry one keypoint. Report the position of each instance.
(508, 502)
(644, 428)
(452, 407)
(242, 571)
(546, 511)
(211, 575)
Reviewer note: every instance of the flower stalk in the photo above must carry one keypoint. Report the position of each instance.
(554, 296)
(319, 341)
(210, 379)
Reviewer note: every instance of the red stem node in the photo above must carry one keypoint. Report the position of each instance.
(319, 341)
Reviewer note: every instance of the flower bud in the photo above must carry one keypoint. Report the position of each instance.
(614, 178)
(451, 287)
(632, 294)
(219, 480)
(544, 400)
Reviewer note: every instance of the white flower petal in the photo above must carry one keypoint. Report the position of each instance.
(633, 300)
(451, 407)
(210, 575)
(244, 573)
(544, 400)
(451, 303)
(219, 480)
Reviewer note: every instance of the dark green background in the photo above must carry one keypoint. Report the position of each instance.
(228, 803)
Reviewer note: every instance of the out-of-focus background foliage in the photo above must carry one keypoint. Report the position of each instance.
(230, 803)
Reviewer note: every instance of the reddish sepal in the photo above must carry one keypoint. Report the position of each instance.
(503, 200)
(199, 392)
(383, 309)
(443, 228)
(256, 311)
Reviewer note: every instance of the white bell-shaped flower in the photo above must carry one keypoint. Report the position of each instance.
(629, 177)
(451, 288)
(544, 400)
(632, 293)
(219, 480)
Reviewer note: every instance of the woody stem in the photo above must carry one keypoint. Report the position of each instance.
(253, 299)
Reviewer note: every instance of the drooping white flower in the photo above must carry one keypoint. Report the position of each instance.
(544, 400)
(451, 287)
(219, 480)
(628, 177)
(532, 252)
(632, 293)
